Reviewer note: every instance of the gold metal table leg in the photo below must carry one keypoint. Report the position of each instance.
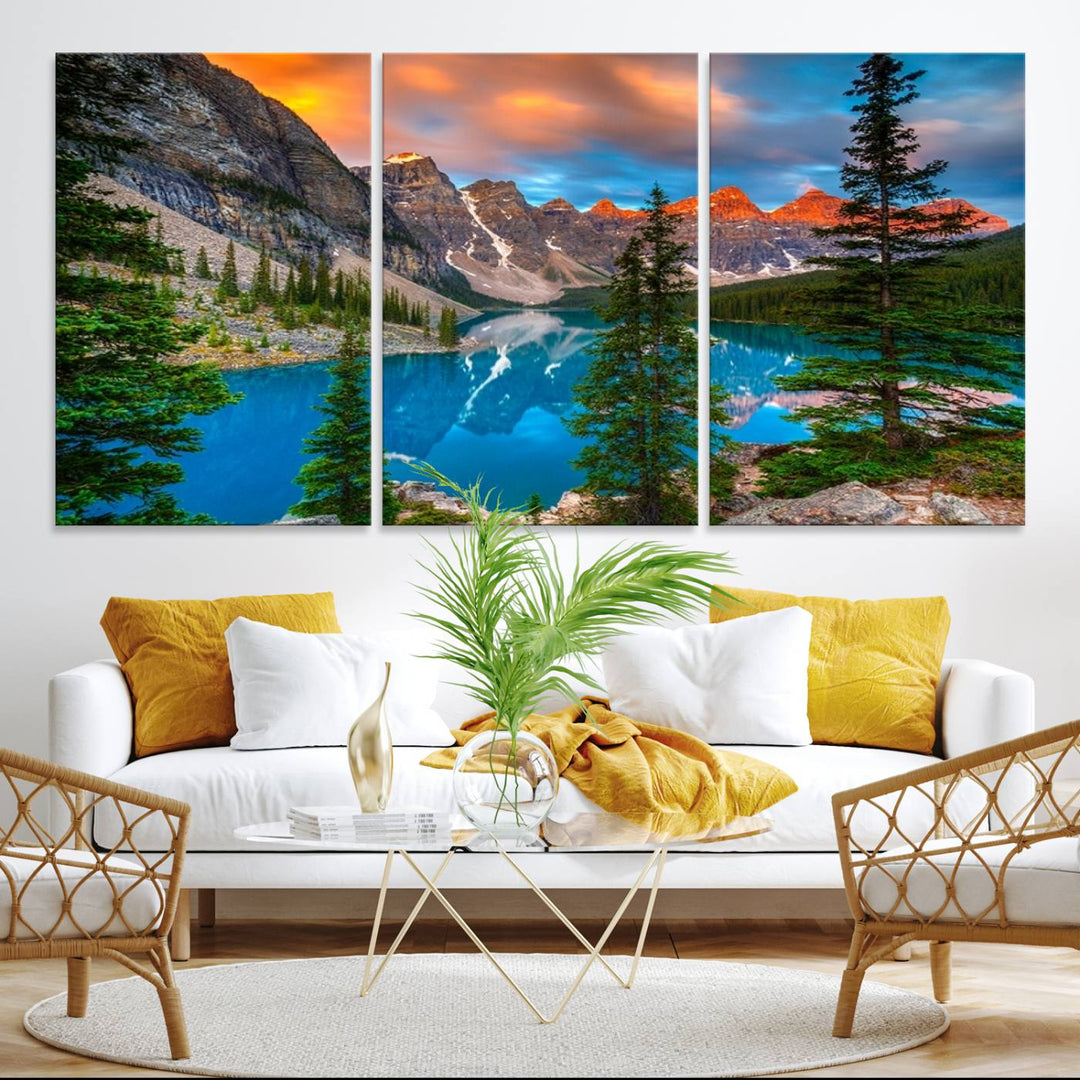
(605, 935)
(562, 917)
(648, 917)
(654, 862)
(368, 984)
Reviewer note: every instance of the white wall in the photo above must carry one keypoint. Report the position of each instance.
(1013, 591)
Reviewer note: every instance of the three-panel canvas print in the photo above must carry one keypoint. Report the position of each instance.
(540, 279)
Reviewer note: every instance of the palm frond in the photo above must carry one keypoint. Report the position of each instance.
(513, 621)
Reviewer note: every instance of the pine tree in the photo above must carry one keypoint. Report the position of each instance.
(534, 508)
(262, 291)
(148, 254)
(427, 319)
(448, 331)
(722, 472)
(289, 297)
(391, 306)
(391, 504)
(639, 397)
(229, 285)
(925, 368)
(338, 478)
(323, 295)
(339, 290)
(305, 288)
(120, 411)
(202, 266)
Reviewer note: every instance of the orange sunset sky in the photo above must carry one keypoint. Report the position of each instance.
(330, 91)
(583, 126)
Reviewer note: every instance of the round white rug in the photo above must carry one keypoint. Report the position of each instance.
(452, 1015)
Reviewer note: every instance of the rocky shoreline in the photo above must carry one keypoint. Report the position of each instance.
(912, 502)
(920, 501)
(306, 345)
(573, 508)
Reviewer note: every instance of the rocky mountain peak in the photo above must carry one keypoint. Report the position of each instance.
(983, 223)
(502, 190)
(410, 168)
(813, 207)
(560, 205)
(732, 204)
(210, 146)
(605, 208)
(684, 206)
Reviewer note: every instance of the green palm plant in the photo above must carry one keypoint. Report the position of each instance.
(519, 626)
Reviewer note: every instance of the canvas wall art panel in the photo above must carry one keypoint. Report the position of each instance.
(213, 289)
(867, 289)
(539, 222)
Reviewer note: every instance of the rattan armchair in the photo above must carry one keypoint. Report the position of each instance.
(977, 848)
(59, 897)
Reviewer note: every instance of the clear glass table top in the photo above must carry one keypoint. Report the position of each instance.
(581, 832)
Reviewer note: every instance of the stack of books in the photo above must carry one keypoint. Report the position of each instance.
(409, 827)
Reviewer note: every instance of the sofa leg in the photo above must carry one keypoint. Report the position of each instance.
(902, 952)
(850, 985)
(941, 969)
(180, 938)
(207, 907)
(78, 972)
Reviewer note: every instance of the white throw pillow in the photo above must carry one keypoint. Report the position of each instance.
(297, 689)
(743, 681)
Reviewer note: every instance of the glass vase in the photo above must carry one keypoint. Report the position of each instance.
(505, 784)
(371, 754)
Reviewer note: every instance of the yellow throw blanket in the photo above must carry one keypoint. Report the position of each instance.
(639, 770)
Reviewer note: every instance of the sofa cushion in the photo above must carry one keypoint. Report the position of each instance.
(738, 682)
(1041, 885)
(92, 912)
(227, 788)
(296, 689)
(874, 664)
(174, 658)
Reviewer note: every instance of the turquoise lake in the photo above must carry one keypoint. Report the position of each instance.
(495, 411)
(253, 450)
(747, 357)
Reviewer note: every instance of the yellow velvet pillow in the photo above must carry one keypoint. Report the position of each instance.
(174, 658)
(874, 664)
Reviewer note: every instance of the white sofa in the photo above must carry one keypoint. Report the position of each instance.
(91, 729)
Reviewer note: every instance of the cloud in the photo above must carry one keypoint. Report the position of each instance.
(553, 123)
(329, 91)
(943, 125)
(793, 123)
(427, 77)
(726, 110)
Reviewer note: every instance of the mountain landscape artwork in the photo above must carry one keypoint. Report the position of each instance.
(539, 230)
(867, 289)
(213, 244)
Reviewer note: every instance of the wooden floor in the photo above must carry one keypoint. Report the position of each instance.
(1015, 1009)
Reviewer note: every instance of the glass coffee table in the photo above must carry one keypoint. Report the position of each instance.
(651, 835)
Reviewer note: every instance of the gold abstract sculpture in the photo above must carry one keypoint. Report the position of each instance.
(371, 754)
